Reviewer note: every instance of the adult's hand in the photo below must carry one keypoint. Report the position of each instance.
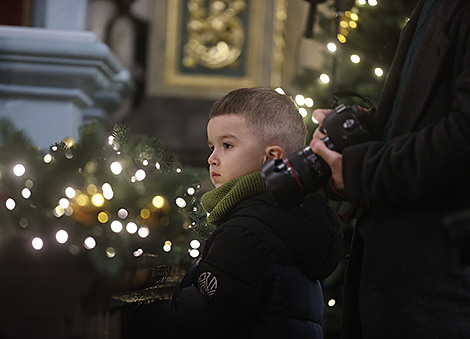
(332, 158)
(319, 115)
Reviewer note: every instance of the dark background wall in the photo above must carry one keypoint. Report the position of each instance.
(179, 122)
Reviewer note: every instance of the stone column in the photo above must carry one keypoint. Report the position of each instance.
(60, 14)
(52, 81)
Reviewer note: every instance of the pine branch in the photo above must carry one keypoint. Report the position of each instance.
(121, 133)
(13, 137)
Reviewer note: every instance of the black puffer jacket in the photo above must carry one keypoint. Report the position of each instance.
(258, 276)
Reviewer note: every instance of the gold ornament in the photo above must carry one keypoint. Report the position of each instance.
(215, 34)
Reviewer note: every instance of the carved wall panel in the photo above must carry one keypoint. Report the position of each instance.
(207, 47)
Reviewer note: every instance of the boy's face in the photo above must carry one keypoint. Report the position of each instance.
(235, 151)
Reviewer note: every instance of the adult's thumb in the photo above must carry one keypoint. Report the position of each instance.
(320, 149)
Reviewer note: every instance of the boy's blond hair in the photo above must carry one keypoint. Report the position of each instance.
(274, 118)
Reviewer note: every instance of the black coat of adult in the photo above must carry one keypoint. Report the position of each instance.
(403, 280)
(257, 276)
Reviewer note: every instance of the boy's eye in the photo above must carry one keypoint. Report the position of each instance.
(211, 148)
(227, 146)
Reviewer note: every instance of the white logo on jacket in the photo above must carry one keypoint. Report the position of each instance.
(207, 284)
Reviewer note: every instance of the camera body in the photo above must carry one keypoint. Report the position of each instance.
(303, 172)
(344, 127)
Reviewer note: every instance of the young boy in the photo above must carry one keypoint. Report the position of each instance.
(259, 270)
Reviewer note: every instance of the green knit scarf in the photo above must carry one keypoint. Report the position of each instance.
(222, 199)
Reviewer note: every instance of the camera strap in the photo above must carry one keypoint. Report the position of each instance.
(346, 210)
(342, 94)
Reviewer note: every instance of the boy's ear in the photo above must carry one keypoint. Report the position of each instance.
(274, 152)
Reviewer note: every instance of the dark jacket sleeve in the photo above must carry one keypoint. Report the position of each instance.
(413, 166)
(187, 315)
(230, 281)
(430, 152)
(233, 269)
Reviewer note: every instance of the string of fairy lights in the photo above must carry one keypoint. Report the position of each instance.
(91, 209)
(75, 197)
(349, 21)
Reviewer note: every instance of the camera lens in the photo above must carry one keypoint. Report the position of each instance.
(292, 178)
(303, 172)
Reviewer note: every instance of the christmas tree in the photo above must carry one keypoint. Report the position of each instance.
(125, 201)
(358, 40)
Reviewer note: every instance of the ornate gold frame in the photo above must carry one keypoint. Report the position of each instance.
(172, 76)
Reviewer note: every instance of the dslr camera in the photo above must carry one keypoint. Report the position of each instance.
(291, 179)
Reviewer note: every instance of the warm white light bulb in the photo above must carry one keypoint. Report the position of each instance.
(158, 201)
(37, 243)
(180, 202)
(191, 191)
(89, 243)
(355, 58)
(64, 203)
(122, 213)
(70, 192)
(47, 158)
(143, 232)
(26, 193)
(194, 253)
(116, 226)
(131, 227)
(324, 78)
(167, 248)
(309, 102)
(195, 243)
(10, 204)
(97, 199)
(61, 236)
(140, 175)
(332, 47)
(19, 170)
(116, 168)
(108, 193)
(300, 99)
(379, 72)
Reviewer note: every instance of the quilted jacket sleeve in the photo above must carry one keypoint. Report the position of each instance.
(232, 271)
(187, 315)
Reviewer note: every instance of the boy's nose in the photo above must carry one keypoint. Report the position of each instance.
(212, 160)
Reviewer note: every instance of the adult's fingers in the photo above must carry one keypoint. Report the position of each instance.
(318, 134)
(320, 149)
(333, 159)
(320, 113)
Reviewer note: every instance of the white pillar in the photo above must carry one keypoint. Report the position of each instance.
(52, 81)
(60, 14)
